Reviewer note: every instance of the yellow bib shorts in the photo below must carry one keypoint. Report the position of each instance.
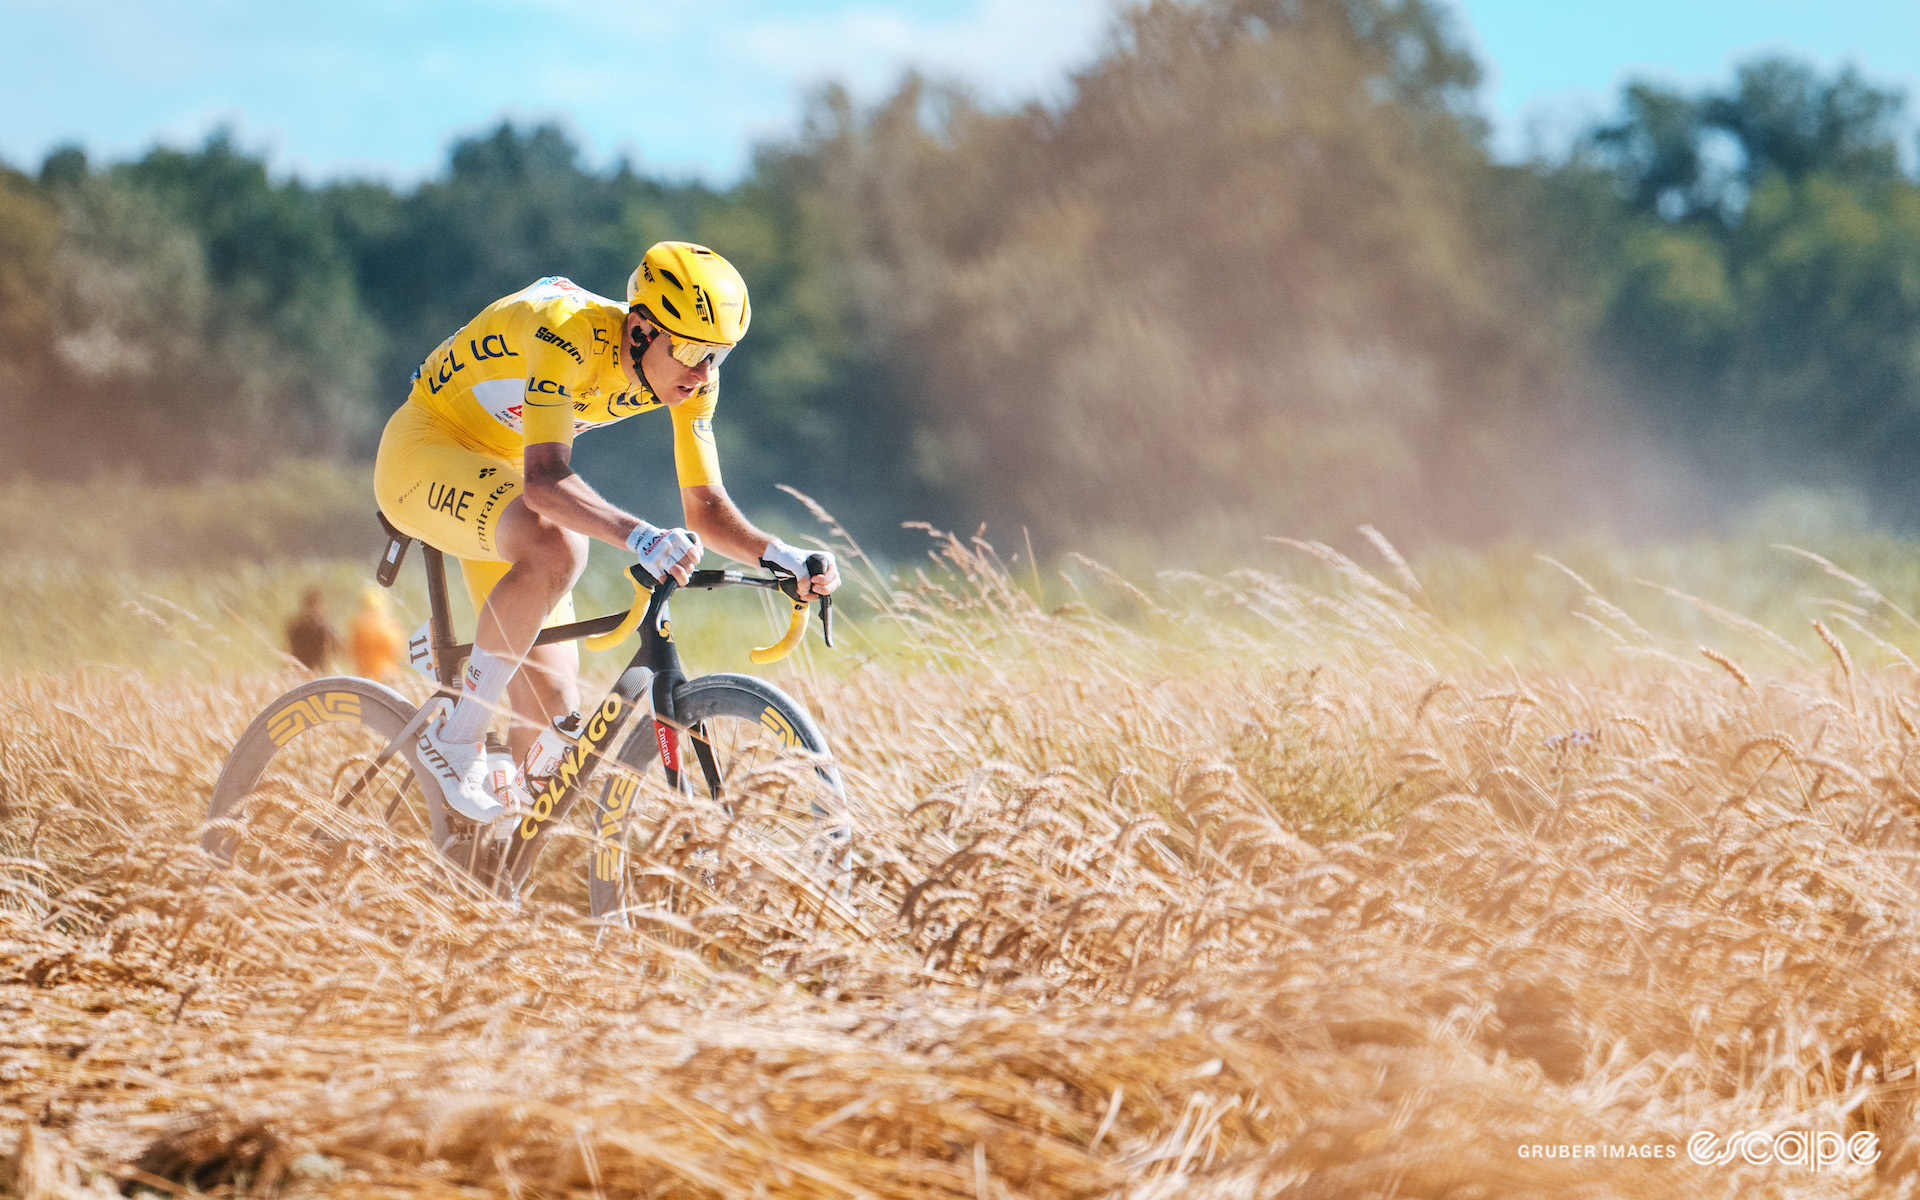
(433, 485)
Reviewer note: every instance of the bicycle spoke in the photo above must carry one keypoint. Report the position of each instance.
(315, 777)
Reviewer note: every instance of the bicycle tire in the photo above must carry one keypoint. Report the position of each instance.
(743, 704)
(342, 722)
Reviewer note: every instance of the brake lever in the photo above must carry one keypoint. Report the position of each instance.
(817, 565)
(790, 586)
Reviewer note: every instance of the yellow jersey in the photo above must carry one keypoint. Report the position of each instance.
(543, 365)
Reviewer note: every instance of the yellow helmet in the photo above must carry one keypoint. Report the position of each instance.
(691, 292)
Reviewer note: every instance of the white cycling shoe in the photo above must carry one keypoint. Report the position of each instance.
(459, 771)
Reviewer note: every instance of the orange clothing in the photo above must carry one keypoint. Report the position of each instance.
(377, 642)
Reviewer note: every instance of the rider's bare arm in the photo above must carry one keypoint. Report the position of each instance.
(553, 491)
(712, 514)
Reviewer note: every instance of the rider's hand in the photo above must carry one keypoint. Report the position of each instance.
(793, 561)
(665, 552)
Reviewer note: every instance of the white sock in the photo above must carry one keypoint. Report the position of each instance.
(481, 686)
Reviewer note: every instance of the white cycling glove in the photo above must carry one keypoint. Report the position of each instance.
(794, 559)
(661, 550)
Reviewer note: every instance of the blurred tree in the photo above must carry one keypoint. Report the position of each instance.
(287, 291)
(1763, 276)
(112, 357)
(516, 205)
(1256, 272)
(1789, 120)
(1239, 282)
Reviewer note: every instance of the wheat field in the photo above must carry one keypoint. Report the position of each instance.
(1225, 887)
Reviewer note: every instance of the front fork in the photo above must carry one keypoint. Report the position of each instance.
(668, 739)
(659, 680)
(613, 806)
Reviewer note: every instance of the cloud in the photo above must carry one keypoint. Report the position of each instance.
(382, 85)
(1008, 48)
(693, 87)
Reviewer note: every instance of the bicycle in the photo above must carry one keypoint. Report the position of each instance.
(360, 733)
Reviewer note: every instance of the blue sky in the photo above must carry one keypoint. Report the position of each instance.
(1553, 64)
(380, 87)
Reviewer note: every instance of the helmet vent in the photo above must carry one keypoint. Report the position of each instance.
(668, 305)
(673, 279)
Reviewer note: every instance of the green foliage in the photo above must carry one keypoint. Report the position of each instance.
(1256, 273)
(1238, 281)
(1762, 276)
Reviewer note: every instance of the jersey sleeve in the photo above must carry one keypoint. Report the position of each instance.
(694, 459)
(557, 365)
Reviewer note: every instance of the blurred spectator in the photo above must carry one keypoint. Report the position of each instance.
(376, 636)
(310, 635)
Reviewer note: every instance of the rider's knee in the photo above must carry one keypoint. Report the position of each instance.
(555, 554)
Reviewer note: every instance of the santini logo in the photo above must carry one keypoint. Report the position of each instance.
(548, 335)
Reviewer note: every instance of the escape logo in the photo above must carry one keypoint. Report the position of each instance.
(1790, 1147)
(1816, 1151)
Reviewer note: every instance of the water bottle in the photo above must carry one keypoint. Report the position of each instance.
(543, 758)
(548, 749)
(499, 767)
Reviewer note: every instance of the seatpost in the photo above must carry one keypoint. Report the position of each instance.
(440, 629)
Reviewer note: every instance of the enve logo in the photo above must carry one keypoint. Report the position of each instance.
(613, 810)
(309, 711)
(780, 727)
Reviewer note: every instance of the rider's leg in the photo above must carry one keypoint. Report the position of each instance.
(433, 485)
(547, 688)
(546, 561)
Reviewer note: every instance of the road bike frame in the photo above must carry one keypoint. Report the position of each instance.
(652, 677)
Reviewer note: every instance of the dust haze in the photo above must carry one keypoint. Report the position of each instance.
(1257, 276)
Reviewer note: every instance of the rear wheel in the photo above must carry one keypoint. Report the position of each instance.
(748, 813)
(307, 779)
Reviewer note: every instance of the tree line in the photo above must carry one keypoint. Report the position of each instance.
(1258, 273)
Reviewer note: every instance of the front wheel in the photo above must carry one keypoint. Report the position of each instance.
(763, 811)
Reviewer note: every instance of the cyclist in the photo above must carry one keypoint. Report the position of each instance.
(310, 635)
(476, 463)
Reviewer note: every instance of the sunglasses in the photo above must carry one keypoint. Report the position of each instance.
(686, 351)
